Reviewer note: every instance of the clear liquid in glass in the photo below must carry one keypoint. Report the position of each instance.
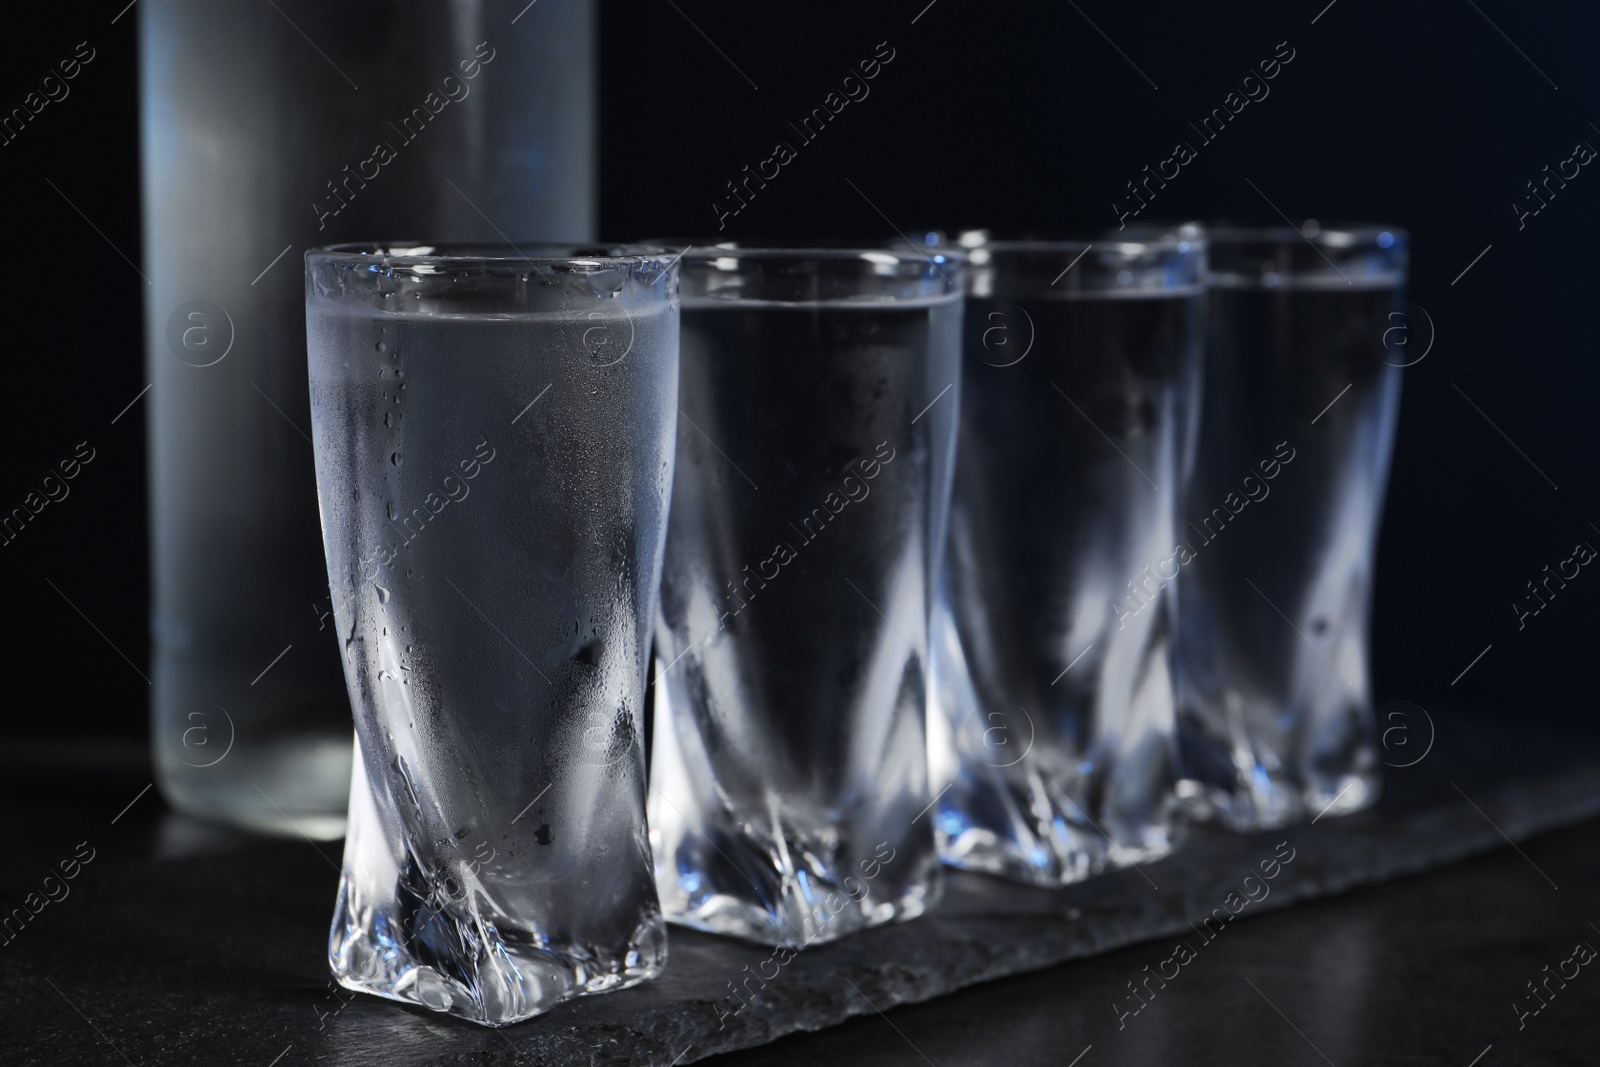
(1052, 719)
(1275, 719)
(494, 564)
(789, 768)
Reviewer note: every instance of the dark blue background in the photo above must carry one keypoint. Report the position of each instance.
(999, 114)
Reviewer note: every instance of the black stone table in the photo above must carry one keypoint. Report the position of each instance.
(180, 943)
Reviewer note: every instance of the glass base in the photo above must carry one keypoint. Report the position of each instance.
(789, 870)
(1023, 829)
(1258, 800)
(1036, 801)
(454, 959)
(444, 945)
(786, 895)
(1343, 795)
(1250, 773)
(1262, 800)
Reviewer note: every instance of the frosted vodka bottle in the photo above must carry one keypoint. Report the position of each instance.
(268, 128)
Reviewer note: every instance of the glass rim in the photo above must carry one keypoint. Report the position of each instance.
(1331, 235)
(1158, 261)
(488, 256)
(1140, 238)
(862, 252)
(1167, 240)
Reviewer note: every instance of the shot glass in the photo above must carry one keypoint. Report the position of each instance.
(1307, 338)
(789, 776)
(494, 432)
(1051, 736)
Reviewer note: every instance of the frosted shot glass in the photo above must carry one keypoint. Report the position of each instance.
(1051, 727)
(789, 781)
(1302, 393)
(494, 433)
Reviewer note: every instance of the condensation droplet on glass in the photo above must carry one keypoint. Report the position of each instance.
(381, 347)
(395, 458)
(383, 598)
